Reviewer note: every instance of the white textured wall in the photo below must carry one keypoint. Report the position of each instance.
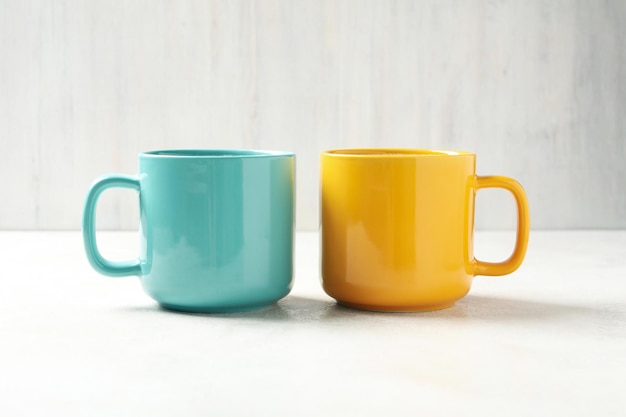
(536, 88)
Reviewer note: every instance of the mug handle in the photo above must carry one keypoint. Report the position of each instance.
(523, 226)
(97, 261)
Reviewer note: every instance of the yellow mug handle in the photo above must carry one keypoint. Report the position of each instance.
(523, 226)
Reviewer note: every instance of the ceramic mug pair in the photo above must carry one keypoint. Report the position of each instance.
(217, 228)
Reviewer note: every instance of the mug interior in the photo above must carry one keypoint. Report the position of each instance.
(214, 153)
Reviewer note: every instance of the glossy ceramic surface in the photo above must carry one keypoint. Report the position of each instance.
(397, 227)
(216, 228)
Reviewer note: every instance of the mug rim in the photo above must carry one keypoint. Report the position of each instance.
(212, 153)
(395, 153)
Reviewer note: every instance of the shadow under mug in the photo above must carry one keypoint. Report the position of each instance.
(397, 227)
(216, 228)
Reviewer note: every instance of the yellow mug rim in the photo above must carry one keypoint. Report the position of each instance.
(394, 153)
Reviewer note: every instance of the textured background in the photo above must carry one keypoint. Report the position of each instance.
(536, 88)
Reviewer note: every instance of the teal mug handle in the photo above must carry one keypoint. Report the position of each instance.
(97, 261)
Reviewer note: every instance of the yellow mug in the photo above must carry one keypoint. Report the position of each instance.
(397, 227)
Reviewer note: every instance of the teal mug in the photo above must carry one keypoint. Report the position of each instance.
(216, 228)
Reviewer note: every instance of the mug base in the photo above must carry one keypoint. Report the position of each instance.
(214, 310)
(395, 309)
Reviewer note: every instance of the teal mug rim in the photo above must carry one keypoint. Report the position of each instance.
(213, 153)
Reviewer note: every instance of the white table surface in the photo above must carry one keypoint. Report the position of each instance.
(548, 340)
